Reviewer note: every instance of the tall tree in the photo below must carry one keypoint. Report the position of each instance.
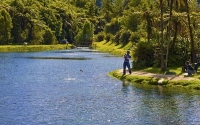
(85, 35)
(193, 51)
(163, 67)
(106, 9)
(6, 26)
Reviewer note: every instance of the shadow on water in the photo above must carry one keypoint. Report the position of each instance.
(83, 49)
(164, 90)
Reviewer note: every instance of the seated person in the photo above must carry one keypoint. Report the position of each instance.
(189, 69)
(196, 66)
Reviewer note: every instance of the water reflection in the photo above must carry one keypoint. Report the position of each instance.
(160, 89)
(125, 86)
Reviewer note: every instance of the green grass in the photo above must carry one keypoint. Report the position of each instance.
(172, 70)
(113, 48)
(145, 80)
(31, 48)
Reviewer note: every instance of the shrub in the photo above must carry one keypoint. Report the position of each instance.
(100, 37)
(108, 37)
(135, 37)
(143, 55)
(116, 38)
(113, 27)
(125, 35)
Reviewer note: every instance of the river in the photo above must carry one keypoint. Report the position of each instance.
(71, 87)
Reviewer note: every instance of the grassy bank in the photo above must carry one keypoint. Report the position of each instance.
(31, 48)
(112, 48)
(120, 50)
(146, 80)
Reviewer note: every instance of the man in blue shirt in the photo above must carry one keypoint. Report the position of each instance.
(126, 63)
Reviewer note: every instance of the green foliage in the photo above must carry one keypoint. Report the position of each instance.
(49, 37)
(108, 37)
(131, 20)
(143, 55)
(135, 37)
(118, 6)
(124, 37)
(117, 38)
(6, 26)
(53, 22)
(85, 35)
(113, 27)
(100, 37)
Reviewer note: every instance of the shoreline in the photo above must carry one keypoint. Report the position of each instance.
(32, 48)
(176, 81)
(140, 77)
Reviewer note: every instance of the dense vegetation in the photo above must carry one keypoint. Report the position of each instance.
(162, 32)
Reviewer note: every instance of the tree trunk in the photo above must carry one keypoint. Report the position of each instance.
(193, 51)
(175, 35)
(169, 32)
(163, 67)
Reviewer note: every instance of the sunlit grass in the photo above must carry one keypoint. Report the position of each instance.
(174, 70)
(112, 47)
(146, 80)
(31, 48)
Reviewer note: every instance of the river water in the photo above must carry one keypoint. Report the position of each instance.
(71, 87)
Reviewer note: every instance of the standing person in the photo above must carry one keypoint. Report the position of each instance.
(126, 63)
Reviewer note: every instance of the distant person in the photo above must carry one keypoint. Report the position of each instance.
(126, 63)
(189, 69)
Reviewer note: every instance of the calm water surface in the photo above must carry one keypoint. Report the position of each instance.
(71, 87)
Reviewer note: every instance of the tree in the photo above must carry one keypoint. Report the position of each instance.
(49, 37)
(106, 10)
(6, 26)
(118, 6)
(193, 51)
(85, 36)
(163, 66)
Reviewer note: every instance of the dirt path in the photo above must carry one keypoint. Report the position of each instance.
(160, 76)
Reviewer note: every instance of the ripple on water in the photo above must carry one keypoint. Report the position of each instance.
(34, 91)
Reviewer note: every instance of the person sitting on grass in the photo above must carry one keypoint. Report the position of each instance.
(189, 69)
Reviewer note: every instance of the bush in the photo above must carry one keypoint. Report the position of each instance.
(100, 37)
(125, 35)
(108, 37)
(49, 37)
(143, 55)
(116, 39)
(135, 37)
(113, 27)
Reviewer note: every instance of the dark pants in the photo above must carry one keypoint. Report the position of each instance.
(126, 64)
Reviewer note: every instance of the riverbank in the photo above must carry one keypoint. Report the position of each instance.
(141, 77)
(112, 48)
(32, 48)
(151, 78)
